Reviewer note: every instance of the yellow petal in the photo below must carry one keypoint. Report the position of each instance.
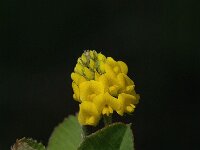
(104, 80)
(127, 102)
(112, 101)
(113, 90)
(121, 80)
(112, 66)
(100, 102)
(110, 109)
(111, 85)
(130, 88)
(126, 84)
(92, 64)
(88, 114)
(78, 69)
(88, 73)
(123, 67)
(79, 60)
(120, 112)
(101, 67)
(84, 58)
(89, 88)
(130, 108)
(75, 98)
(76, 95)
(107, 110)
(92, 54)
(97, 75)
(111, 61)
(109, 70)
(77, 78)
(101, 57)
(128, 80)
(105, 103)
(116, 69)
(90, 121)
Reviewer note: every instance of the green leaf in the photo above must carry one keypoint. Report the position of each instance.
(27, 144)
(66, 136)
(116, 136)
(128, 140)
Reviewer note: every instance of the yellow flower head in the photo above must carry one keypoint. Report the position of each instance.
(102, 86)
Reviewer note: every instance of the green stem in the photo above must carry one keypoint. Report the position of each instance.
(84, 132)
(107, 120)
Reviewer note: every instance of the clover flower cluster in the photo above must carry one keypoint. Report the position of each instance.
(102, 86)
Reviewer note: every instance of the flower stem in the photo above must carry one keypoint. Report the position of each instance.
(107, 120)
(84, 132)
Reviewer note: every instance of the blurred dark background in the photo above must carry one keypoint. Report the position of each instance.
(159, 40)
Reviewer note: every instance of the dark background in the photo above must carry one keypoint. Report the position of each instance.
(157, 39)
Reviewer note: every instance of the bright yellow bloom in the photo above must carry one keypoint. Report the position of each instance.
(127, 103)
(105, 103)
(90, 89)
(102, 86)
(88, 114)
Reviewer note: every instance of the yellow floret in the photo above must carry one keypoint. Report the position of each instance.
(111, 85)
(112, 65)
(76, 94)
(101, 67)
(101, 57)
(105, 103)
(123, 67)
(77, 78)
(90, 89)
(88, 73)
(84, 59)
(127, 103)
(126, 84)
(88, 114)
(92, 64)
(92, 54)
(78, 69)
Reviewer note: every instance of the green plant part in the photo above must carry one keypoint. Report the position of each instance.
(66, 136)
(117, 136)
(27, 144)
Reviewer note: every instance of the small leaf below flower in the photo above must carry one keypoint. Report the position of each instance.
(116, 136)
(66, 136)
